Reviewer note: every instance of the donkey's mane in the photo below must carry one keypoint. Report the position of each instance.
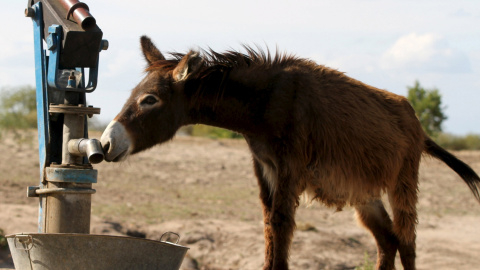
(232, 59)
(216, 67)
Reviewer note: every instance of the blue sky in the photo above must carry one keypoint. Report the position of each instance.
(388, 44)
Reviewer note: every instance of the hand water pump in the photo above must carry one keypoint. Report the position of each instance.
(66, 176)
(73, 42)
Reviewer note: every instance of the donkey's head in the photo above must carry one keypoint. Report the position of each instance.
(156, 108)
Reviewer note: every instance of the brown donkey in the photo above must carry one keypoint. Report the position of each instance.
(310, 129)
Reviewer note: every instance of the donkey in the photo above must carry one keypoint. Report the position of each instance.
(310, 129)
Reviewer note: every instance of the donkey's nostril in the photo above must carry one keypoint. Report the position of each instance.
(106, 146)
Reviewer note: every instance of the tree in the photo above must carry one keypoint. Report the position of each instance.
(428, 107)
(18, 107)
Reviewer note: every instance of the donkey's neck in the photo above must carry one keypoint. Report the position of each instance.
(226, 100)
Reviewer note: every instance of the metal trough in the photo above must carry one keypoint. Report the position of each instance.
(91, 252)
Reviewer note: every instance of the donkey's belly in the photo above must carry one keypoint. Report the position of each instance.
(341, 192)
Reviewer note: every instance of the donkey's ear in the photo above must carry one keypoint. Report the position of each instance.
(150, 52)
(190, 64)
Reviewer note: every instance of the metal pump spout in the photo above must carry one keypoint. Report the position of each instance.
(91, 148)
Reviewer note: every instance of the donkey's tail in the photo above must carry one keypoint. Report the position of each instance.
(468, 175)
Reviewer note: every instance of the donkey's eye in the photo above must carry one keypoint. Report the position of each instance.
(149, 100)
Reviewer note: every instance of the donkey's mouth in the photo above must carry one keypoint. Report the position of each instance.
(114, 157)
(123, 156)
(115, 142)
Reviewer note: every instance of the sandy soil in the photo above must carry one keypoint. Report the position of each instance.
(205, 190)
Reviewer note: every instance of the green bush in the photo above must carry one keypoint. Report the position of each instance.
(18, 109)
(454, 142)
(211, 132)
(3, 240)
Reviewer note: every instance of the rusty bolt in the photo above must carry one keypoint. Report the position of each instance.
(104, 45)
(29, 12)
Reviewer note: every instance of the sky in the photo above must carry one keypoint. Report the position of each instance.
(388, 44)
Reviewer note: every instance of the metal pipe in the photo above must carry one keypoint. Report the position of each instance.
(73, 128)
(65, 191)
(68, 212)
(91, 148)
(80, 13)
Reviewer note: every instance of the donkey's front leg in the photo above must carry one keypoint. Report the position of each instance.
(266, 199)
(282, 221)
(282, 225)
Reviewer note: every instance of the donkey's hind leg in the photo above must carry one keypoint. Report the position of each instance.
(403, 200)
(374, 217)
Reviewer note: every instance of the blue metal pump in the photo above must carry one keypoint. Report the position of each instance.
(66, 153)
(73, 42)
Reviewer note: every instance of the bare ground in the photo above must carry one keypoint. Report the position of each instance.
(205, 190)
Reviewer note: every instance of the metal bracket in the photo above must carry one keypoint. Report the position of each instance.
(54, 43)
(72, 109)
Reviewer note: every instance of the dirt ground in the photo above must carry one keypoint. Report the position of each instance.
(205, 190)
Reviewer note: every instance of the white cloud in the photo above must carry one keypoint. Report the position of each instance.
(426, 53)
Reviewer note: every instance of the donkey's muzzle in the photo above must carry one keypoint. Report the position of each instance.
(116, 142)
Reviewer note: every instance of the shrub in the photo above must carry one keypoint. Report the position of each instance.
(212, 132)
(454, 142)
(18, 109)
(3, 240)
